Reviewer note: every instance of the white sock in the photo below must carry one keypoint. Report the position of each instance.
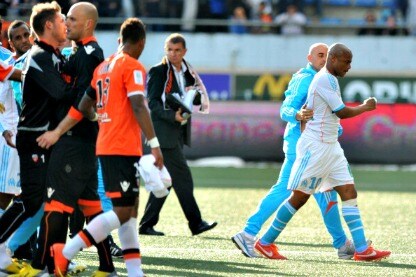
(99, 228)
(129, 240)
(5, 259)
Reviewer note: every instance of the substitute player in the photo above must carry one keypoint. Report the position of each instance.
(320, 162)
(117, 90)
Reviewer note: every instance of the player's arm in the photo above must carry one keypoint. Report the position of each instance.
(155, 89)
(49, 138)
(368, 104)
(293, 109)
(141, 112)
(87, 104)
(16, 75)
(51, 81)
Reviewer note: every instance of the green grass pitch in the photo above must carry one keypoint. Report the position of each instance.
(387, 200)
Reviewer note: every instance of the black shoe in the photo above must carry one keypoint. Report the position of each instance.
(150, 231)
(115, 250)
(203, 227)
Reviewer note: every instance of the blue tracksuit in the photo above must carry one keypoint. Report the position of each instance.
(295, 97)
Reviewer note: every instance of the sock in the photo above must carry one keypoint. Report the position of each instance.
(274, 198)
(96, 231)
(103, 250)
(352, 217)
(327, 202)
(283, 216)
(5, 259)
(130, 246)
(25, 231)
(53, 229)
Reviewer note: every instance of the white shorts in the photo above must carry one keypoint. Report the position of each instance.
(9, 169)
(319, 166)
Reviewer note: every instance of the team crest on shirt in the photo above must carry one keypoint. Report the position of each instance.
(138, 77)
(35, 158)
(124, 185)
(50, 192)
(89, 49)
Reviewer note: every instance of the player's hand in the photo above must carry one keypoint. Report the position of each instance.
(8, 137)
(370, 103)
(2, 108)
(157, 153)
(304, 114)
(47, 139)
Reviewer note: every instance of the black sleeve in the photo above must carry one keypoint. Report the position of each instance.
(87, 65)
(91, 93)
(48, 77)
(155, 88)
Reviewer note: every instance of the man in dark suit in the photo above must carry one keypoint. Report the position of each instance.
(173, 129)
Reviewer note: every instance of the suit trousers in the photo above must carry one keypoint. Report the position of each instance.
(183, 185)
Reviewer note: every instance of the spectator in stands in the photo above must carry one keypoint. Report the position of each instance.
(282, 5)
(189, 13)
(151, 9)
(291, 22)
(238, 21)
(391, 27)
(370, 27)
(411, 17)
(213, 9)
(263, 14)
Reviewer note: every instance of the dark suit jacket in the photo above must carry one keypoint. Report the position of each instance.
(168, 131)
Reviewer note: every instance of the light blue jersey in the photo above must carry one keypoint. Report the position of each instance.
(17, 86)
(295, 97)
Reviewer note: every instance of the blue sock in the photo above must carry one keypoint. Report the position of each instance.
(274, 198)
(283, 216)
(352, 217)
(327, 202)
(25, 231)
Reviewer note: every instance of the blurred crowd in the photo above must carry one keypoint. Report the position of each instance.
(287, 17)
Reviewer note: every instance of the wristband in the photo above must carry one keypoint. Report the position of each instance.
(95, 117)
(153, 143)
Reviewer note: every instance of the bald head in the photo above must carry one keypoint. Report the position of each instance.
(339, 50)
(81, 20)
(339, 59)
(317, 55)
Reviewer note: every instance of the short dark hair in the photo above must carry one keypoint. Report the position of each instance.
(176, 38)
(41, 13)
(132, 30)
(14, 25)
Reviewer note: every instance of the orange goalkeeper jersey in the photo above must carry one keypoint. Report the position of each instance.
(115, 80)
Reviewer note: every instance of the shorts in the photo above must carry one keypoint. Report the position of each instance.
(34, 162)
(121, 178)
(319, 166)
(72, 173)
(9, 169)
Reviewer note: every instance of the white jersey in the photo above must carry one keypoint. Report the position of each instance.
(324, 98)
(10, 117)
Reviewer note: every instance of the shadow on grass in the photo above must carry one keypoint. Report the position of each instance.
(312, 245)
(182, 267)
(384, 263)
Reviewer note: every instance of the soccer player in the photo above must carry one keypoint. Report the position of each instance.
(292, 112)
(71, 177)
(117, 90)
(42, 87)
(320, 162)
